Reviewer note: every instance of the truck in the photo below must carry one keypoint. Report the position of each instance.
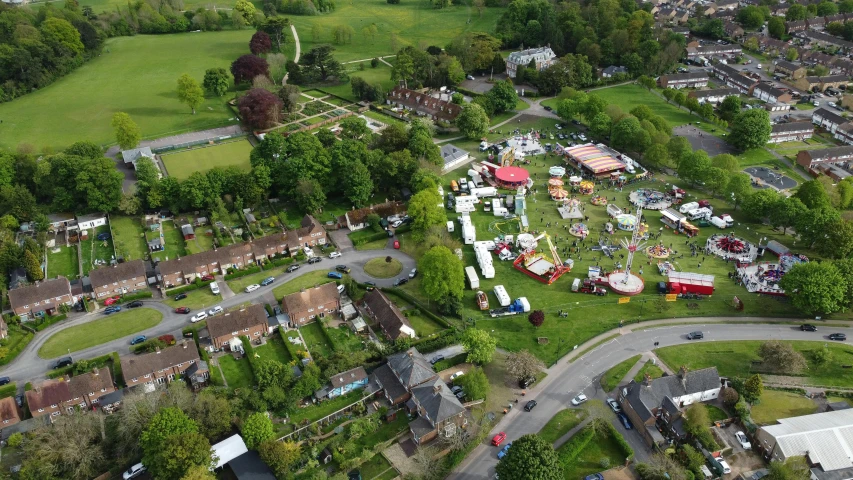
(473, 279)
(503, 297)
(520, 305)
(689, 282)
(728, 219)
(588, 286)
(454, 186)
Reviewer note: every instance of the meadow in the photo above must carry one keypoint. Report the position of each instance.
(137, 75)
(182, 164)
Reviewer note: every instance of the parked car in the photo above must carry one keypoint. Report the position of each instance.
(215, 311)
(138, 339)
(198, 317)
(370, 286)
(343, 268)
(695, 335)
(113, 309)
(726, 468)
(808, 327)
(614, 405)
(180, 296)
(470, 77)
(396, 244)
(314, 260)
(396, 224)
(526, 382)
(625, 422)
(594, 476)
(530, 406)
(5, 380)
(455, 389)
(252, 287)
(743, 440)
(292, 268)
(104, 236)
(111, 301)
(335, 275)
(401, 281)
(460, 394)
(456, 375)
(502, 452)
(413, 273)
(207, 278)
(436, 359)
(579, 399)
(134, 471)
(182, 310)
(214, 288)
(547, 108)
(334, 254)
(19, 399)
(499, 439)
(134, 304)
(63, 362)
(267, 281)
(838, 336)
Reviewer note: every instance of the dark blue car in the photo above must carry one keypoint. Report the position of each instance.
(625, 422)
(267, 281)
(138, 340)
(335, 275)
(112, 309)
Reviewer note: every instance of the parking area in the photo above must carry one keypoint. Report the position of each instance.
(446, 373)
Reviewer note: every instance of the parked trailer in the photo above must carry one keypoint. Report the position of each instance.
(689, 282)
(484, 192)
(450, 226)
(503, 297)
(484, 259)
(473, 279)
(469, 233)
(688, 206)
(520, 305)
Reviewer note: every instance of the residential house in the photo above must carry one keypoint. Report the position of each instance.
(159, 366)
(49, 398)
(714, 96)
(439, 412)
(94, 220)
(726, 4)
(309, 303)
(733, 78)
(823, 438)
(187, 231)
(402, 372)
(732, 29)
(612, 71)
(63, 395)
(683, 80)
(9, 414)
(816, 23)
(657, 403)
(88, 388)
(828, 120)
(225, 329)
(41, 298)
(790, 132)
(542, 57)
(357, 219)
(789, 69)
(118, 279)
(133, 155)
(345, 382)
(779, 10)
(713, 50)
(796, 26)
(707, 10)
(768, 93)
(724, 15)
(453, 156)
(825, 39)
(772, 46)
(810, 159)
(394, 324)
(844, 133)
(423, 104)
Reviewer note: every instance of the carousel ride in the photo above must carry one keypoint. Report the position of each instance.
(571, 209)
(579, 230)
(556, 190)
(650, 199)
(557, 171)
(731, 247)
(598, 201)
(624, 281)
(586, 187)
(658, 251)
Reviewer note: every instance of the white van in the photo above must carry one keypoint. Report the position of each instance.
(718, 222)
(214, 288)
(503, 296)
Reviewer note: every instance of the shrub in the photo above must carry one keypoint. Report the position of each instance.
(627, 451)
(242, 272)
(730, 397)
(137, 296)
(15, 439)
(167, 339)
(278, 262)
(570, 451)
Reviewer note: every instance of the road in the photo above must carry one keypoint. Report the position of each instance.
(565, 380)
(29, 366)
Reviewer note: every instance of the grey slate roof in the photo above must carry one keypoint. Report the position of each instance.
(116, 273)
(644, 399)
(385, 378)
(350, 376)
(437, 401)
(792, 127)
(670, 406)
(249, 466)
(420, 427)
(411, 367)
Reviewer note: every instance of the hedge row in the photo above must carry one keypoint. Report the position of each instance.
(570, 451)
(97, 362)
(137, 296)
(405, 296)
(291, 348)
(188, 288)
(326, 334)
(279, 262)
(242, 272)
(15, 349)
(627, 451)
(8, 390)
(371, 238)
(50, 321)
(118, 374)
(441, 340)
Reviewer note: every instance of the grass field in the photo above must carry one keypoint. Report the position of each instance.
(315, 340)
(127, 237)
(588, 461)
(716, 413)
(238, 373)
(308, 280)
(612, 377)
(344, 340)
(183, 163)
(136, 75)
(99, 331)
(274, 349)
(561, 423)
(653, 370)
(733, 359)
(63, 262)
(630, 96)
(379, 268)
(777, 404)
(199, 299)
(239, 284)
(96, 250)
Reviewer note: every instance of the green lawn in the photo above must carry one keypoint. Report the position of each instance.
(274, 349)
(379, 268)
(315, 340)
(174, 243)
(63, 262)
(588, 461)
(295, 284)
(734, 359)
(376, 467)
(612, 377)
(423, 326)
(716, 413)
(128, 237)
(630, 96)
(239, 284)
(99, 331)
(238, 373)
(561, 423)
(201, 242)
(181, 164)
(344, 340)
(94, 250)
(198, 299)
(135, 75)
(322, 409)
(777, 404)
(653, 370)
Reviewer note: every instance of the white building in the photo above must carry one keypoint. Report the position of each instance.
(543, 57)
(452, 157)
(86, 222)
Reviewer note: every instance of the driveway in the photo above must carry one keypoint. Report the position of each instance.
(341, 238)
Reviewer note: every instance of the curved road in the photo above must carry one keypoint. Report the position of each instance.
(565, 380)
(29, 366)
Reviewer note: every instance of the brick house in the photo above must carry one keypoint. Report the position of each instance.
(424, 104)
(9, 414)
(250, 321)
(810, 159)
(402, 372)
(118, 279)
(160, 366)
(50, 397)
(790, 132)
(91, 386)
(42, 298)
(770, 94)
(305, 305)
(63, 395)
(683, 80)
(828, 120)
(357, 219)
(715, 95)
(789, 69)
(733, 78)
(394, 324)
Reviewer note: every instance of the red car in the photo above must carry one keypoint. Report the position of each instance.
(111, 301)
(499, 439)
(207, 278)
(182, 310)
(397, 244)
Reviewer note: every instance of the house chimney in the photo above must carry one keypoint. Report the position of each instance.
(682, 372)
(157, 350)
(411, 354)
(185, 344)
(647, 380)
(436, 389)
(95, 371)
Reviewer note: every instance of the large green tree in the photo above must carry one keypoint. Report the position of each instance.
(216, 81)
(503, 96)
(785, 213)
(530, 458)
(442, 273)
(479, 345)
(126, 130)
(815, 288)
(473, 121)
(474, 383)
(813, 194)
(738, 188)
(426, 210)
(166, 427)
(692, 167)
(257, 429)
(750, 129)
(759, 204)
(190, 92)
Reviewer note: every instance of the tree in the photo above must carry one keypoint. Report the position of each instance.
(759, 204)
(475, 383)
(679, 147)
(629, 135)
(260, 43)
(600, 126)
(781, 357)
(442, 272)
(358, 186)
(786, 212)
(793, 468)
(473, 121)
(33, 266)
(813, 194)
(776, 27)
(692, 460)
(245, 9)
(289, 95)
(815, 288)
(839, 241)
(715, 180)
(726, 162)
(212, 413)
(259, 108)
(536, 318)
(126, 130)
(814, 225)
(257, 429)
(190, 92)
(753, 387)
(247, 67)
(178, 455)
(199, 472)
(426, 211)
(62, 37)
(791, 54)
(750, 129)
(275, 26)
(657, 156)
(738, 188)
(479, 344)
(730, 107)
(83, 149)
(693, 166)
(503, 96)
(661, 467)
(530, 458)
(166, 427)
(216, 81)
(696, 419)
(280, 456)
(318, 64)
(730, 397)
(522, 365)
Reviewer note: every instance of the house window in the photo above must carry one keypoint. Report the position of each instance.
(257, 334)
(47, 301)
(103, 390)
(181, 364)
(115, 283)
(5, 421)
(26, 306)
(58, 299)
(192, 361)
(135, 379)
(233, 333)
(41, 409)
(53, 406)
(124, 281)
(310, 309)
(92, 394)
(55, 414)
(245, 329)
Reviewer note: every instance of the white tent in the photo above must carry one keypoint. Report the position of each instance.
(228, 449)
